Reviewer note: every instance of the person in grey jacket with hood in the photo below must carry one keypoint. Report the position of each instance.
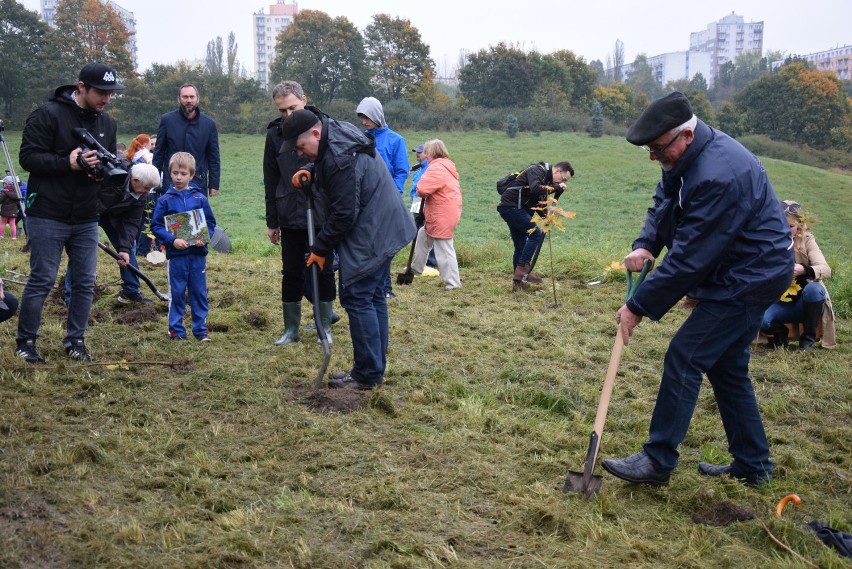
(367, 224)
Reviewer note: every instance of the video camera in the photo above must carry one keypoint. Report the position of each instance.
(110, 168)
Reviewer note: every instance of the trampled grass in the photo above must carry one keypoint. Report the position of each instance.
(191, 455)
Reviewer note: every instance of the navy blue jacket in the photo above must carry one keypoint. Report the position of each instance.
(367, 221)
(174, 201)
(199, 137)
(727, 238)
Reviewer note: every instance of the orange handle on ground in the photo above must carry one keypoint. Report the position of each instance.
(783, 502)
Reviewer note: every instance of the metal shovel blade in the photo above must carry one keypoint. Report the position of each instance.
(585, 483)
(405, 278)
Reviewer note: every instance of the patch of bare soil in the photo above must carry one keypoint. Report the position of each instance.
(138, 315)
(255, 320)
(327, 400)
(722, 514)
(32, 520)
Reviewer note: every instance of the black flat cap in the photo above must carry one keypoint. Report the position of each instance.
(660, 117)
(297, 123)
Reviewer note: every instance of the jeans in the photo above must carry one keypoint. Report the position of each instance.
(188, 272)
(48, 239)
(367, 308)
(526, 243)
(784, 312)
(715, 340)
(129, 280)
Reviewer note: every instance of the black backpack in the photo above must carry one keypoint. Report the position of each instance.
(508, 181)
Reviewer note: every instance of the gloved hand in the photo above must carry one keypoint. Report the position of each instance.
(314, 258)
(420, 219)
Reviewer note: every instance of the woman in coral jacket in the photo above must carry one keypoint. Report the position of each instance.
(442, 206)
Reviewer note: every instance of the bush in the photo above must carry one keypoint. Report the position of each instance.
(800, 153)
(511, 126)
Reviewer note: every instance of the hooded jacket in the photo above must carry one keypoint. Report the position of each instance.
(390, 145)
(367, 222)
(286, 207)
(727, 238)
(55, 191)
(198, 136)
(440, 187)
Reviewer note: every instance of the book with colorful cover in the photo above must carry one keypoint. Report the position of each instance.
(191, 226)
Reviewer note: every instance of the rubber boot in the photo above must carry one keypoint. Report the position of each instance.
(335, 318)
(292, 317)
(325, 317)
(812, 316)
(778, 336)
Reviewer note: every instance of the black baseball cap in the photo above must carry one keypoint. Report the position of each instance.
(297, 123)
(100, 76)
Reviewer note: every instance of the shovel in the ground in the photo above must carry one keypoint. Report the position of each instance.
(407, 277)
(587, 483)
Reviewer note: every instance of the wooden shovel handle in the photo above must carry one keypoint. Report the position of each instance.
(606, 391)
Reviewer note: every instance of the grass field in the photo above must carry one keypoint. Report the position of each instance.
(219, 455)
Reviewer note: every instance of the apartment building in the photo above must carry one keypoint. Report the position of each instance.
(267, 26)
(726, 39)
(838, 60)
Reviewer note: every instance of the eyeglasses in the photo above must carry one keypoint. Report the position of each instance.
(792, 209)
(659, 151)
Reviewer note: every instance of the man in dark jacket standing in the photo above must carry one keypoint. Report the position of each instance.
(366, 223)
(286, 217)
(62, 203)
(189, 130)
(729, 254)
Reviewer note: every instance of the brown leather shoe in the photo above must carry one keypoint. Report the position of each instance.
(522, 271)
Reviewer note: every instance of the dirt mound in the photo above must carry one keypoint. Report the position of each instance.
(722, 514)
(137, 316)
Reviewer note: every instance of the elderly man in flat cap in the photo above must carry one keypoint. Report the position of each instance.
(366, 223)
(729, 255)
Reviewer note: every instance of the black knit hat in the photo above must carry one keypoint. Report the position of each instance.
(660, 117)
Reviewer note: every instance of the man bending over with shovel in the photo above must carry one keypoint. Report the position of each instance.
(729, 254)
(367, 224)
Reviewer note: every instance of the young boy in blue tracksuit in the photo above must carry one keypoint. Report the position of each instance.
(187, 259)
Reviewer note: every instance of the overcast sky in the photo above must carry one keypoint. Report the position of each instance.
(168, 31)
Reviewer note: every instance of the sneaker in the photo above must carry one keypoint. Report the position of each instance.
(27, 351)
(176, 337)
(204, 338)
(77, 350)
(127, 298)
(390, 295)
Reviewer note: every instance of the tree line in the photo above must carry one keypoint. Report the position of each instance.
(338, 65)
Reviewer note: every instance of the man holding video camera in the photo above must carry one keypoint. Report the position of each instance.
(62, 202)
